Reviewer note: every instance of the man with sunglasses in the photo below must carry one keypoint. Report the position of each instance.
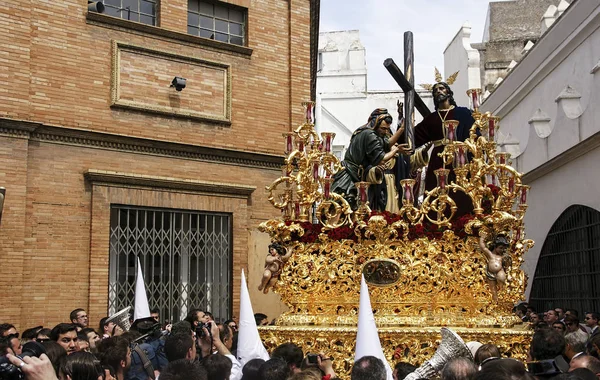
(591, 321)
(7, 329)
(79, 317)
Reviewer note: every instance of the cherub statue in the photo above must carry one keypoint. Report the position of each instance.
(277, 256)
(495, 274)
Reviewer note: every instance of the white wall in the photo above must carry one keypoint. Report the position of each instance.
(460, 56)
(549, 104)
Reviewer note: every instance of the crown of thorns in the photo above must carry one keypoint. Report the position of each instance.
(438, 79)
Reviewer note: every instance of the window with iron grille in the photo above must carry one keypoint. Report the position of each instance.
(568, 269)
(143, 11)
(186, 260)
(218, 21)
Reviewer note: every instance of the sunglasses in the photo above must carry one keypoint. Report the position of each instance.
(11, 336)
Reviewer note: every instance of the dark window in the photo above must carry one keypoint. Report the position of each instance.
(143, 11)
(217, 21)
(567, 274)
(186, 260)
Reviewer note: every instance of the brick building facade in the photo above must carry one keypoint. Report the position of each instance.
(88, 120)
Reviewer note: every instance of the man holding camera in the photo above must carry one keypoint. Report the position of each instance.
(208, 339)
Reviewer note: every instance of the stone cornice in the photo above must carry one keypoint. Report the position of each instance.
(575, 152)
(98, 140)
(110, 178)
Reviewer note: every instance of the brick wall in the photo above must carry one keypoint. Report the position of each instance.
(58, 71)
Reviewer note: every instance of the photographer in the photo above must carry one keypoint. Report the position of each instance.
(148, 356)
(34, 368)
(321, 363)
(209, 339)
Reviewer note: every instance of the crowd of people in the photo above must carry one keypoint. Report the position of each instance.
(198, 348)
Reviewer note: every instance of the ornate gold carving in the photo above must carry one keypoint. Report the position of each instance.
(427, 264)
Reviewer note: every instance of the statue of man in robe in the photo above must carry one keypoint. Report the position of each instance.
(371, 152)
(432, 130)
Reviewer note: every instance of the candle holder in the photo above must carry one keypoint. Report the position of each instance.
(474, 98)
(442, 179)
(363, 199)
(450, 131)
(309, 111)
(524, 189)
(407, 186)
(459, 159)
(493, 125)
(327, 140)
(289, 146)
(502, 158)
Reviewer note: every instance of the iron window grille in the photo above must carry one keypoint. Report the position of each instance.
(186, 260)
(217, 21)
(567, 274)
(143, 11)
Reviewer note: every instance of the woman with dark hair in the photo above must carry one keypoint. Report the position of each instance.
(81, 366)
(56, 353)
(250, 370)
(503, 369)
(486, 351)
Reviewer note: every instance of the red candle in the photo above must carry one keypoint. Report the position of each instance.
(451, 134)
(301, 145)
(363, 193)
(523, 195)
(518, 236)
(491, 127)
(328, 143)
(297, 209)
(327, 188)
(408, 193)
(511, 185)
(493, 179)
(309, 112)
(442, 181)
(461, 157)
(316, 170)
(474, 97)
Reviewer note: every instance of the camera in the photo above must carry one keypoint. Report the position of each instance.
(8, 371)
(312, 358)
(200, 330)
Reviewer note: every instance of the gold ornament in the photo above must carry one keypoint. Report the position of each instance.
(425, 266)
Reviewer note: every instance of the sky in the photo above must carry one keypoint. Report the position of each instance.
(382, 24)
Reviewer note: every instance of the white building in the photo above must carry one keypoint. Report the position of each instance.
(550, 104)
(343, 100)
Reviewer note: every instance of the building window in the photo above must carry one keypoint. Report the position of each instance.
(567, 274)
(217, 21)
(186, 259)
(143, 11)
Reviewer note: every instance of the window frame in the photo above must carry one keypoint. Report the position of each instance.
(123, 11)
(225, 5)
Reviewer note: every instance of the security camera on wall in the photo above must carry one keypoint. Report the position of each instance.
(95, 6)
(178, 83)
